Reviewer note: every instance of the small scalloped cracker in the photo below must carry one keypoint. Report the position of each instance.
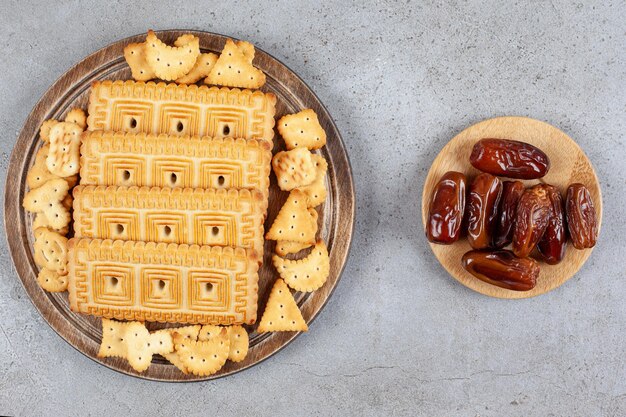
(170, 63)
(112, 344)
(44, 130)
(184, 39)
(203, 358)
(316, 191)
(64, 154)
(135, 55)
(188, 332)
(294, 168)
(52, 281)
(239, 343)
(285, 247)
(234, 67)
(133, 342)
(247, 49)
(281, 312)
(306, 274)
(50, 250)
(77, 116)
(208, 332)
(200, 70)
(294, 222)
(41, 220)
(238, 336)
(47, 200)
(38, 174)
(302, 129)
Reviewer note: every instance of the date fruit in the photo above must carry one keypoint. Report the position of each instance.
(581, 217)
(502, 268)
(447, 206)
(552, 245)
(482, 208)
(509, 158)
(531, 220)
(511, 193)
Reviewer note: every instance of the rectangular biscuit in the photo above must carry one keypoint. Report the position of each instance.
(163, 282)
(192, 110)
(117, 158)
(171, 215)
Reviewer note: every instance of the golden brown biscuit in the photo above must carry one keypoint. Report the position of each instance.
(163, 282)
(172, 215)
(130, 106)
(115, 158)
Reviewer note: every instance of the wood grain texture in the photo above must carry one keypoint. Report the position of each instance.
(569, 164)
(336, 215)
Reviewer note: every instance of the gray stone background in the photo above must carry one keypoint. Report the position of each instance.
(399, 336)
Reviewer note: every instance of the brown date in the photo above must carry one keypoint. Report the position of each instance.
(552, 245)
(531, 220)
(482, 207)
(447, 206)
(511, 193)
(502, 268)
(581, 217)
(509, 158)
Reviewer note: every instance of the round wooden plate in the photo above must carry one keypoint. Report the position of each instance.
(569, 164)
(336, 215)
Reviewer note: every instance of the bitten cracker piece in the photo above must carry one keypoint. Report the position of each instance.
(302, 129)
(203, 358)
(281, 312)
(135, 55)
(238, 336)
(64, 155)
(316, 191)
(51, 281)
(77, 116)
(285, 247)
(47, 200)
(44, 131)
(234, 68)
(293, 168)
(201, 69)
(294, 222)
(170, 63)
(306, 274)
(50, 250)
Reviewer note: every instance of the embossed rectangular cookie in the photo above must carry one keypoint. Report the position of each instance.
(135, 106)
(171, 215)
(117, 158)
(163, 282)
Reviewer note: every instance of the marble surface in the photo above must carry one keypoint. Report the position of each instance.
(399, 336)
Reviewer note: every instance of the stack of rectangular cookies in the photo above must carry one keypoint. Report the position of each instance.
(169, 211)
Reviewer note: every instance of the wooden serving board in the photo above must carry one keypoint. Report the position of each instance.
(569, 164)
(336, 215)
